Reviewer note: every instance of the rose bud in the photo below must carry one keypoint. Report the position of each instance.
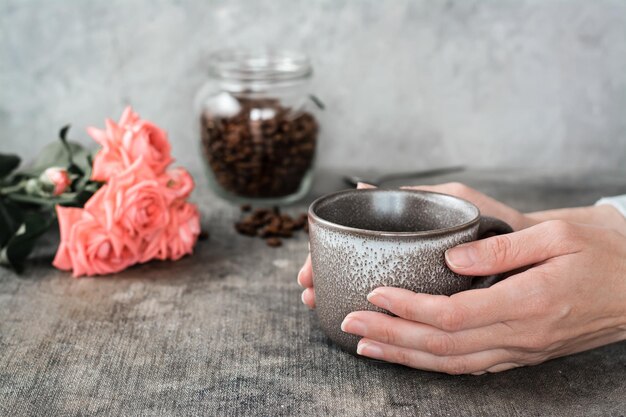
(55, 179)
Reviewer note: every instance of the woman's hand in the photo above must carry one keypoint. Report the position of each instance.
(603, 215)
(487, 205)
(572, 298)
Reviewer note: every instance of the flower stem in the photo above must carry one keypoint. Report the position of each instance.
(11, 189)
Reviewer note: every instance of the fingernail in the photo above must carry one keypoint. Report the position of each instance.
(376, 298)
(369, 349)
(462, 256)
(299, 275)
(352, 325)
(302, 298)
(363, 185)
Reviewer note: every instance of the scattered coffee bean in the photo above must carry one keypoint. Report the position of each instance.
(302, 222)
(246, 229)
(246, 207)
(263, 151)
(274, 242)
(270, 224)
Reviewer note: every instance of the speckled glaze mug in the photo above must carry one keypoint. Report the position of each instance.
(364, 239)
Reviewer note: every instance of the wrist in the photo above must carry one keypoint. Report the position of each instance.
(609, 216)
(528, 220)
(603, 215)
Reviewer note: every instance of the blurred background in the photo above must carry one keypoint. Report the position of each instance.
(525, 84)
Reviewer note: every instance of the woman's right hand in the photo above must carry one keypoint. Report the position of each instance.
(604, 216)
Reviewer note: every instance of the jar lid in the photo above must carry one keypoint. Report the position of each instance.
(260, 65)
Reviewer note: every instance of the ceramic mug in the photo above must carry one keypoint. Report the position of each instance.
(364, 239)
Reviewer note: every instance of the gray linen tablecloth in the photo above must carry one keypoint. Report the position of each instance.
(223, 332)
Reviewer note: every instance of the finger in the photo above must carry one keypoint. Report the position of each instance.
(305, 276)
(508, 252)
(464, 310)
(363, 186)
(308, 297)
(454, 365)
(408, 334)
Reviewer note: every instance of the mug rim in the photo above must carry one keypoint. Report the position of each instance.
(315, 218)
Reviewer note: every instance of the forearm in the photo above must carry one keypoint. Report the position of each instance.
(603, 215)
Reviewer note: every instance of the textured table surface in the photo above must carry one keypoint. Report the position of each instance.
(224, 333)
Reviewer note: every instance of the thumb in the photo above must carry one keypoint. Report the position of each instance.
(505, 253)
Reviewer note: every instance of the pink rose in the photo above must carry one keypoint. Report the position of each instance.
(150, 142)
(134, 200)
(57, 179)
(154, 247)
(123, 143)
(139, 214)
(182, 231)
(67, 216)
(112, 158)
(88, 248)
(178, 183)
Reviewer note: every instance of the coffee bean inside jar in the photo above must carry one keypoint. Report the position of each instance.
(257, 126)
(265, 150)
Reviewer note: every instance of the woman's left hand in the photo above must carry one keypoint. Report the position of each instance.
(572, 298)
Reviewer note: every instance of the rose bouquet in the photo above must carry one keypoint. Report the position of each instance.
(121, 207)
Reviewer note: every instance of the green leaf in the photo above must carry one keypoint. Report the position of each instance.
(32, 200)
(10, 220)
(89, 167)
(73, 199)
(71, 167)
(81, 198)
(21, 244)
(56, 155)
(63, 132)
(8, 163)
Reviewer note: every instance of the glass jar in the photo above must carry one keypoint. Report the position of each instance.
(258, 129)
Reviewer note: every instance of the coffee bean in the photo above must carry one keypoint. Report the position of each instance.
(270, 224)
(260, 158)
(246, 229)
(274, 242)
(300, 222)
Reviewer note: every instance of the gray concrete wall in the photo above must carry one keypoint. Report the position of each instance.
(522, 83)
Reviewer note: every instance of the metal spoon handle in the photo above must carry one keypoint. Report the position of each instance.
(353, 180)
(420, 174)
